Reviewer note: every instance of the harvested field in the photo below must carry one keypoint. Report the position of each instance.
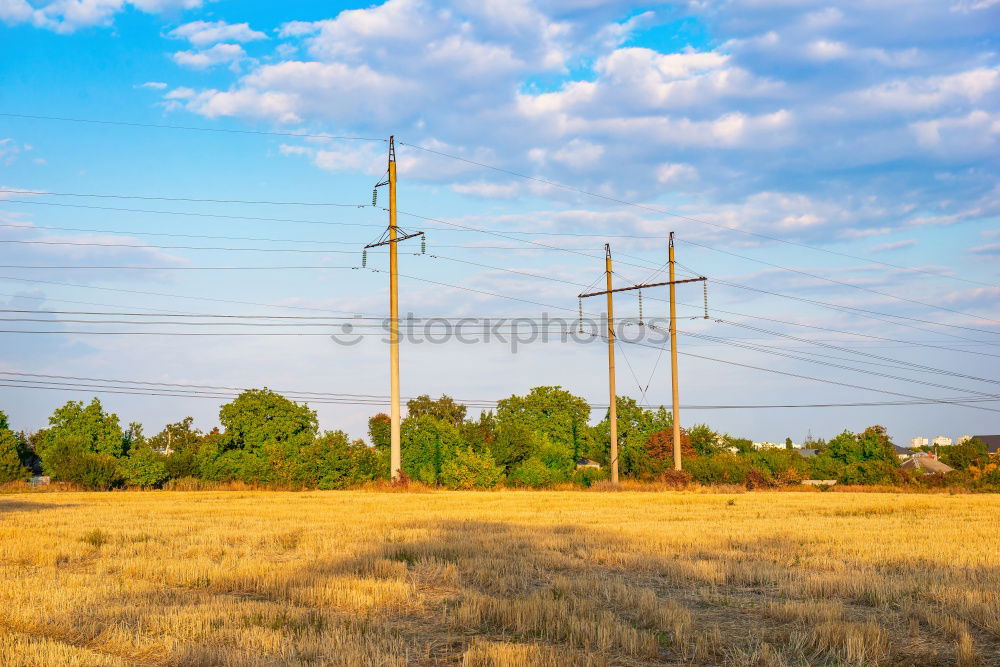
(498, 578)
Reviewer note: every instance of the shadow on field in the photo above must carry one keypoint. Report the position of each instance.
(448, 591)
(7, 506)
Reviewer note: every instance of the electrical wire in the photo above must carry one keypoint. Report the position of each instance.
(662, 211)
(43, 193)
(161, 126)
(210, 391)
(841, 282)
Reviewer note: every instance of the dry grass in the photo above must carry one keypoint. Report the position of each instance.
(498, 578)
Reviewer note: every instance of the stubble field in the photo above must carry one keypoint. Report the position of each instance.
(498, 578)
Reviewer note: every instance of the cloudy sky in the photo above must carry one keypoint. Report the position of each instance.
(831, 167)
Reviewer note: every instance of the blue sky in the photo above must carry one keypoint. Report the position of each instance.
(865, 133)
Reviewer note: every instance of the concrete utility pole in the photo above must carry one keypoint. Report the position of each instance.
(613, 407)
(613, 417)
(674, 392)
(395, 452)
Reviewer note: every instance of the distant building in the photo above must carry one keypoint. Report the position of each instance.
(962, 439)
(918, 442)
(992, 442)
(902, 452)
(925, 464)
(809, 453)
(767, 445)
(941, 441)
(587, 463)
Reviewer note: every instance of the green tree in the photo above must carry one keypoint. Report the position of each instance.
(90, 427)
(512, 443)
(551, 411)
(328, 462)
(258, 417)
(181, 441)
(789, 444)
(11, 466)
(635, 425)
(703, 439)
(143, 467)
(262, 437)
(69, 459)
(742, 445)
(444, 408)
(533, 473)
(427, 442)
(467, 469)
(872, 444)
(380, 430)
(969, 453)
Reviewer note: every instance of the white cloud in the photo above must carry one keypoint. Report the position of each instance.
(978, 131)
(488, 190)
(181, 93)
(989, 249)
(67, 16)
(15, 11)
(672, 173)
(203, 33)
(216, 55)
(894, 245)
(154, 85)
(924, 93)
(9, 150)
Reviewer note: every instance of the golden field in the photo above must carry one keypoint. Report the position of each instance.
(498, 578)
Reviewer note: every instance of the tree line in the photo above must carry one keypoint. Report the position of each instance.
(536, 440)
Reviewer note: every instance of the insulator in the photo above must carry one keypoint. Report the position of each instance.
(364, 258)
(374, 196)
(704, 287)
(580, 318)
(423, 244)
(640, 309)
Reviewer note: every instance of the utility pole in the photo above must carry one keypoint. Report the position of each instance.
(674, 392)
(395, 451)
(612, 415)
(613, 407)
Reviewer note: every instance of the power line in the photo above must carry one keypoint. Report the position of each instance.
(485, 166)
(931, 369)
(851, 333)
(867, 313)
(767, 350)
(166, 294)
(824, 380)
(655, 209)
(175, 268)
(130, 232)
(841, 282)
(310, 222)
(371, 399)
(184, 199)
(161, 126)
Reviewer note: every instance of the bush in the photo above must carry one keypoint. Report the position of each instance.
(759, 478)
(143, 467)
(718, 469)
(467, 469)
(677, 479)
(11, 469)
(532, 473)
(590, 476)
(870, 472)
